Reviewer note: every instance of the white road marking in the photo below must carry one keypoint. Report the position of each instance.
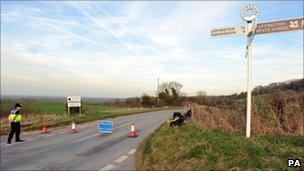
(48, 135)
(121, 159)
(132, 151)
(86, 138)
(122, 125)
(61, 132)
(4, 144)
(39, 136)
(108, 167)
(26, 140)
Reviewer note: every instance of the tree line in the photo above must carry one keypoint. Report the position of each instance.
(170, 94)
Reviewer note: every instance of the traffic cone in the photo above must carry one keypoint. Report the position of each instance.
(45, 128)
(132, 133)
(73, 128)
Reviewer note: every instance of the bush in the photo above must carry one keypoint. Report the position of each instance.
(277, 103)
(148, 101)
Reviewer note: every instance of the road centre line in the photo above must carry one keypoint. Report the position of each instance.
(132, 151)
(86, 138)
(26, 140)
(108, 167)
(121, 159)
(122, 125)
(37, 137)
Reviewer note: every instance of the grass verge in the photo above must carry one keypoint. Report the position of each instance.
(191, 148)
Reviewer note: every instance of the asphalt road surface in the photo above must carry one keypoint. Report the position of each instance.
(86, 150)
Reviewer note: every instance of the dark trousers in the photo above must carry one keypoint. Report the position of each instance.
(15, 128)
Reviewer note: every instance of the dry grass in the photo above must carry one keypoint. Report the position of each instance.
(265, 117)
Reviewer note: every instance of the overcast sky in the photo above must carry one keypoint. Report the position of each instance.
(118, 49)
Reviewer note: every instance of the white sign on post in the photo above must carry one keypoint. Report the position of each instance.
(229, 31)
(251, 29)
(74, 101)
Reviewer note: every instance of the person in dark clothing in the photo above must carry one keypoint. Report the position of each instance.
(15, 118)
(181, 119)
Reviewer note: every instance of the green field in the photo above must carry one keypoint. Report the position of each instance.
(55, 108)
(190, 148)
(34, 113)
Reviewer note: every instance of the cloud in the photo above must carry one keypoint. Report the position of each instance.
(120, 48)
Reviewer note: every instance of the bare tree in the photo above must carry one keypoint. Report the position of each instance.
(171, 88)
(200, 95)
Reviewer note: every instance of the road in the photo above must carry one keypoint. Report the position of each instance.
(86, 150)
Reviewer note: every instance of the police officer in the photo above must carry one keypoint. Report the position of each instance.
(15, 118)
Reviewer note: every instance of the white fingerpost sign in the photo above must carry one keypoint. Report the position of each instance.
(229, 31)
(251, 29)
(74, 102)
(251, 25)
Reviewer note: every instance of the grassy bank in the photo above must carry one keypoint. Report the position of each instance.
(34, 113)
(275, 113)
(191, 148)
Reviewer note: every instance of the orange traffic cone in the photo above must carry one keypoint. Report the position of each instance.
(45, 128)
(73, 128)
(132, 133)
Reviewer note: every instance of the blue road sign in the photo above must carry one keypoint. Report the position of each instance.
(105, 126)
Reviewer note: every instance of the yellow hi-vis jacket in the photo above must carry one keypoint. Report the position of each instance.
(15, 118)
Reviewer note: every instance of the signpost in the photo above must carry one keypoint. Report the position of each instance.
(229, 31)
(262, 28)
(280, 26)
(105, 126)
(251, 29)
(74, 102)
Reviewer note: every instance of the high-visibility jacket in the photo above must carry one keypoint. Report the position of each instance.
(15, 118)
